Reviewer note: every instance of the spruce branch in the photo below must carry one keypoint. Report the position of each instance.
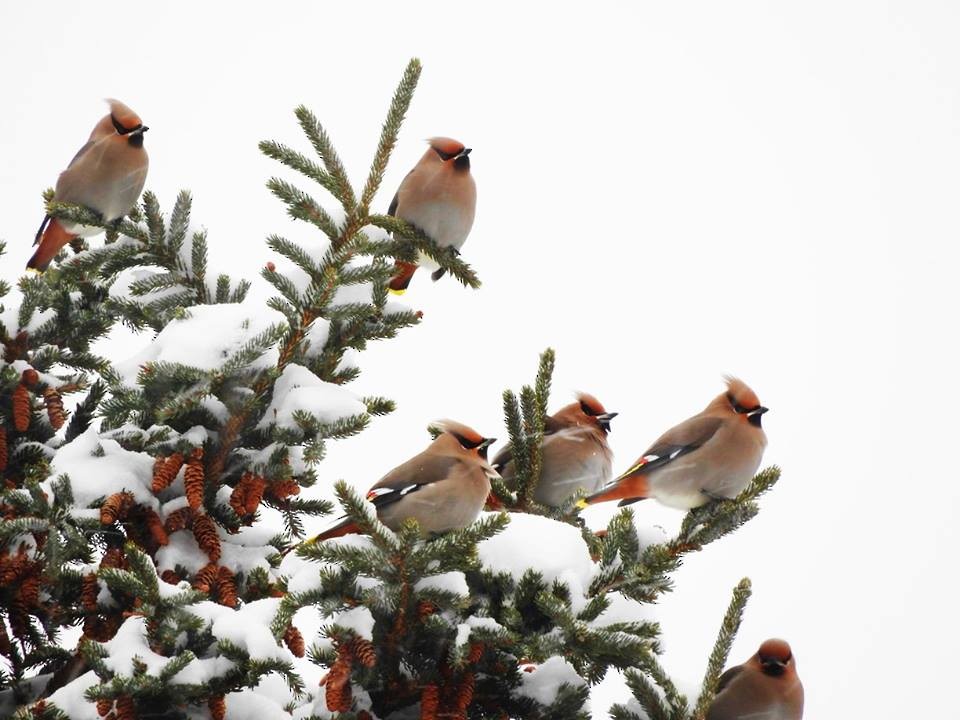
(721, 649)
(526, 422)
(341, 187)
(391, 129)
(409, 240)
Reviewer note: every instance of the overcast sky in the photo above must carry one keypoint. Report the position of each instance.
(667, 193)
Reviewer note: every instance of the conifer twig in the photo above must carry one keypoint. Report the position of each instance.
(721, 649)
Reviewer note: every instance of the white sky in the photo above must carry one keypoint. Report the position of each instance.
(667, 193)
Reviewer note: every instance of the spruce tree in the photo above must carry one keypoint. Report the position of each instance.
(154, 560)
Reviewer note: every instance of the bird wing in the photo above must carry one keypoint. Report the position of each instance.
(419, 470)
(392, 210)
(502, 458)
(387, 496)
(679, 440)
(89, 144)
(728, 677)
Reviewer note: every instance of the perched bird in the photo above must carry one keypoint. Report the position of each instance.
(765, 687)
(711, 456)
(439, 197)
(443, 488)
(106, 175)
(575, 452)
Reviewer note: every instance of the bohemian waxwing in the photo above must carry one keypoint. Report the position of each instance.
(575, 452)
(765, 687)
(443, 488)
(711, 456)
(106, 175)
(439, 197)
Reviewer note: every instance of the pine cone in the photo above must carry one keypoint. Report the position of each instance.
(218, 707)
(4, 640)
(126, 709)
(54, 405)
(425, 609)
(465, 693)
(476, 652)
(238, 497)
(19, 622)
(205, 531)
(429, 702)
(21, 408)
(294, 640)
(104, 706)
(364, 651)
(194, 478)
(206, 578)
(170, 576)
(282, 490)
(28, 594)
(114, 558)
(165, 470)
(155, 526)
(30, 377)
(227, 587)
(115, 508)
(179, 519)
(89, 590)
(246, 496)
(255, 496)
(339, 693)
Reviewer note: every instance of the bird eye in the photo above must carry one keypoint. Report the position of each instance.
(467, 444)
(444, 155)
(737, 407)
(587, 410)
(120, 128)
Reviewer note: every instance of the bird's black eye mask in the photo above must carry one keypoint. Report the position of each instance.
(445, 155)
(740, 408)
(467, 444)
(121, 130)
(587, 410)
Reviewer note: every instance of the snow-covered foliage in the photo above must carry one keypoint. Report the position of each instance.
(152, 558)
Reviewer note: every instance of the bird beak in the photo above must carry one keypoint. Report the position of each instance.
(465, 152)
(774, 667)
(604, 420)
(140, 130)
(754, 417)
(482, 447)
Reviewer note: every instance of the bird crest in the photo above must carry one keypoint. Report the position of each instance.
(740, 393)
(124, 119)
(446, 147)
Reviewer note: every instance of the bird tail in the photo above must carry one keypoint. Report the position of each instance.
(401, 280)
(51, 237)
(493, 502)
(344, 527)
(629, 488)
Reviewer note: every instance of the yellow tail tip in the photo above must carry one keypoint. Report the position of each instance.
(397, 292)
(581, 504)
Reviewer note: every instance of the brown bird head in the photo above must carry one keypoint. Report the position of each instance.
(775, 658)
(127, 123)
(742, 400)
(587, 410)
(451, 151)
(469, 439)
